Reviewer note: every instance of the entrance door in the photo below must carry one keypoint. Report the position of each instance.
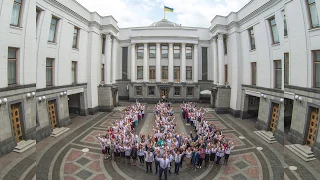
(274, 117)
(312, 126)
(16, 121)
(52, 113)
(165, 92)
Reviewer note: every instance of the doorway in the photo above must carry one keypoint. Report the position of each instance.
(288, 109)
(274, 117)
(52, 113)
(313, 123)
(16, 122)
(164, 92)
(74, 105)
(253, 107)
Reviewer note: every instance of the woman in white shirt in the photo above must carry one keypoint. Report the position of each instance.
(219, 153)
(103, 141)
(227, 152)
(188, 157)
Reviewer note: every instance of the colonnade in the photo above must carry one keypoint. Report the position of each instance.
(111, 47)
(218, 60)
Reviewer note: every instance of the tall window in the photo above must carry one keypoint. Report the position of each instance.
(16, 13)
(103, 44)
(12, 65)
(152, 72)
(139, 90)
(277, 74)
(75, 38)
(285, 23)
(164, 73)
(189, 52)
(225, 44)
(152, 51)
(151, 90)
(102, 72)
(140, 50)
(254, 73)
(226, 73)
(189, 91)
(164, 51)
(286, 68)
(252, 39)
(53, 29)
(274, 30)
(38, 11)
(189, 72)
(139, 72)
(313, 13)
(49, 72)
(176, 73)
(74, 72)
(316, 69)
(176, 51)
(177, 91)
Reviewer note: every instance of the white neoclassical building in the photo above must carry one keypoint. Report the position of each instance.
(58, 59)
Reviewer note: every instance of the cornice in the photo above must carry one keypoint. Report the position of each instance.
(164, 28)
(164, 37)
(110, 26)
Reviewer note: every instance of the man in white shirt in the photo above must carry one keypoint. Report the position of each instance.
(177, 161)
(164, 164)
(149, 158)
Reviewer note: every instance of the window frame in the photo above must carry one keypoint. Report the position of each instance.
(164, 72)
(19, 17)
(152, 72)
(275, 73)
(225, 45)
(104, 39)
(191, 49)
(139, 48)
(190, 67)
(176, 48)
(167, 49)
(150, 50)
(16, 59)
(102, 72)
(175, 73)
(55, 30)
(226, 74)
(309, 14)
(74, 69)
(52, 72)
(271, 30)
(77, 38)
(154, 89)
(254, 73)
(315, 61)
(286, 68)
(140, 90)
(139, 68)
(285, 25)
(188, 88)
(251, 33)
(38, 14)
(177, 88)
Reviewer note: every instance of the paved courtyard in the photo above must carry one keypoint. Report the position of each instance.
(62, 158)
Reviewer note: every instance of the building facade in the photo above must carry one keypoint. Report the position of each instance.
(59, 60)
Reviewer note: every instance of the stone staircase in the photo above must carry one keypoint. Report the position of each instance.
(266, 136)
(209, 109)
(302, 151)
(24, 145)
(58, 131)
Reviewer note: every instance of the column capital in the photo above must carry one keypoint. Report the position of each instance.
(133, 44)
(170, 45)
(158, 44)
(195, 45)
(145, 45)
(220, 37)
(183, 44)
(213, 39)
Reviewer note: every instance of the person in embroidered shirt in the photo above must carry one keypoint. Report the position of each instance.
(164, 163)
(227, 152)
(177, 160)
(149, 158)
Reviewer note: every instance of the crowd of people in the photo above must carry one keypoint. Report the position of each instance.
(166, 149)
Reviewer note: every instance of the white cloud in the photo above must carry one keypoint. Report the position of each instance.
(132, 13)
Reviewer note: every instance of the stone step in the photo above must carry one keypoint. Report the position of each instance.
(24, 145)
(299, 154)
(265, 137)
(58, 131)
(301, 151)
(304, 148)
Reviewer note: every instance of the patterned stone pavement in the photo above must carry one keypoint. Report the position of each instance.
(62, 158)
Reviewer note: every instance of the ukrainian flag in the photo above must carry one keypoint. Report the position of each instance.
(166, 8)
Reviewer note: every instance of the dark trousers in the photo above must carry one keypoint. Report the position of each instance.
(165, 171)
(141, 158)
(156, 163)
(176, 167)
(200, 161)
(218, 159)
(206, 160)
(149, 166)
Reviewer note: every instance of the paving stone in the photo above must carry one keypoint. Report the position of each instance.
(84, 174)
(83, 161)
(241, 165)
(239, 177)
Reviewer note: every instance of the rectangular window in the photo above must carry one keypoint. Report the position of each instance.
(75, 38)
(140, 51)
(226, 74)
(164, 51)
(176, 52)
(189, 52)
(53, 29)
(16, 13)
(152, 72)
(103, 44)
(164, 73)
(285, 23)
(252, 39)
(189, 72)
(277, 74)
(12, 65)
(74, 72)
(139, 72)
(225, 44)
(204, 63)
(102, 72)
(49, 72)
(139, 90)
(124, 63)
(152, 51)
(274, 30)
(313, 13)
(151, 90)
(189, 91)
(177, 91)
(316, 69)
(176, 73)
(38, 11)
(286, 68)
(254, 73)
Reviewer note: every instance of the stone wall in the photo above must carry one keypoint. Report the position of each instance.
(105, 98)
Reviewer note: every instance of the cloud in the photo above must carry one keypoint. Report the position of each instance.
(133, 13)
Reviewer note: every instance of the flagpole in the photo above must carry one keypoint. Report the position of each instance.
(164, 13)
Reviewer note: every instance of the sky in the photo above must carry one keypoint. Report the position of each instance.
(135, 13)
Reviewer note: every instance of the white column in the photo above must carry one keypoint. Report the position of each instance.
(145, 63)
(114, 60)
(158, 64)
(133, 62)
(107, 68)
(170, 68)
(221, 60)
(183, 63)
(215, 61)
(195, 63)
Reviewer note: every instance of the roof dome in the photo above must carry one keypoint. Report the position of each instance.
(164, 23)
